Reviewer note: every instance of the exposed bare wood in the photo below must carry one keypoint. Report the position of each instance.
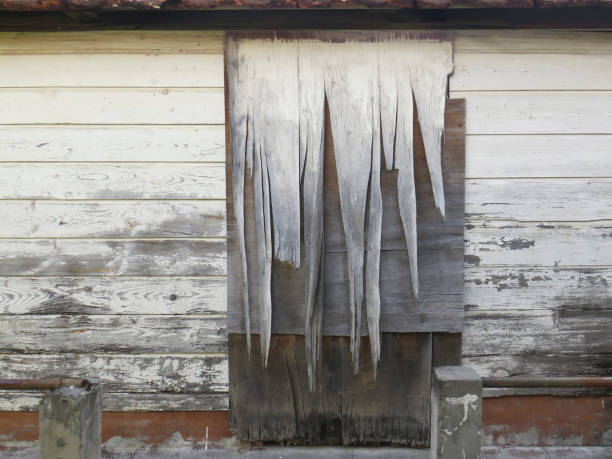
(112, 143)
(112, 295)
(145, 373)
(83, 257)
(112, 333)
(112, 181)
(112, 219)
(112, 106)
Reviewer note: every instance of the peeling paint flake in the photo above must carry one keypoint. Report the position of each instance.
(278, 89)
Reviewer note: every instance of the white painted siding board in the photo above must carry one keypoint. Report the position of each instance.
(131, 181)
(113, 257)
(113, 143)
(113, 333)
(113, 295)
(139, 373)
(532, 41)
(530, 72)
(112, 219)
(126, 401)
(112, 106)
(539, 200)
(537, 112)
(492, 156)
(538, 244)
(94, 70)
(112, 41)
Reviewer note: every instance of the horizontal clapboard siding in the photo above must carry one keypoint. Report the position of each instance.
(112, 188)
(538, 198)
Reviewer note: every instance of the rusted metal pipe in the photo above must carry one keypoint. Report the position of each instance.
(525, 382)
(42, 384)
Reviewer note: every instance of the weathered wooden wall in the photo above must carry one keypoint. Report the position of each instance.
(112, 239)
(538, 271)
(113, 214)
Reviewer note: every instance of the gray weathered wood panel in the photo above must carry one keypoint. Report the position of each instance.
(113, 295)
(440, 255)
(111, 181)
(112, 219)
(113, 257)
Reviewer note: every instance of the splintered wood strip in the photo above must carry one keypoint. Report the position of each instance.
(439, 306)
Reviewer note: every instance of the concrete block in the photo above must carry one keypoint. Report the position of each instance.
(456, 413)
(71, 423)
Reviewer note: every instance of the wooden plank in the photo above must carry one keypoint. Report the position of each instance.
(112, 42)
(82, 257)
(112, 295)
(138, 373)
(126, 401)
(117, 70)
(381, 409)
(536, 363)
(491, 156)
(539, 200)
(445, 349)
(511, 243)
(513, 288)
(275, 403)
(529, 72)
(112, 181)
(566, 331)
(526, 41)
(440, 256)
(113, 333)
(112, 106)
(537, 112)
(112, 143)
(112, 219)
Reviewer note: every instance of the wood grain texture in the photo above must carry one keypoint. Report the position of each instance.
(82, 257)
(112, 295)
(539, 200)
(147, 373)
(276, 405)
(520, 156)
(112, 42)
(112, 106)
(112, 333)
(537, 112)
(508, 243)
(533, 41)
(112, 219)
(543, 72)
(112, 143)
(118, 70)
(127, 401)
(440, 256)
(111, 181)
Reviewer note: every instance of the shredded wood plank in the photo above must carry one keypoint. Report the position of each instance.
(278, 90)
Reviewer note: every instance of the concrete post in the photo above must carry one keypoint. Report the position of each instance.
(71, 423)
(456, 413)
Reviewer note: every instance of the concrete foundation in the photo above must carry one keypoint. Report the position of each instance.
(71, 423)
(456, 413)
